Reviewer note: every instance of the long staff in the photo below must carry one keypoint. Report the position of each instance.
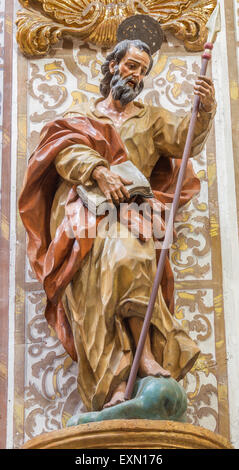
(213, 26)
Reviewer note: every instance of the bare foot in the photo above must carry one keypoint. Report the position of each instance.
(148, 366)
(117, 397)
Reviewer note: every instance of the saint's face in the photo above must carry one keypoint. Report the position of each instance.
(127, 80)
(135, 63)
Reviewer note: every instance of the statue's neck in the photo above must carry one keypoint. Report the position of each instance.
(116, 107)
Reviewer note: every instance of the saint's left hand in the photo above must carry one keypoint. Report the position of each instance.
(205, 89)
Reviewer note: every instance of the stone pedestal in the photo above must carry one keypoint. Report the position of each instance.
(130, 434)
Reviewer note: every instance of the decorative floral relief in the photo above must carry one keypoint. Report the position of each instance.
(49, 88)
(195, 310)
(189, 252)
(177, 84)
(51, 373)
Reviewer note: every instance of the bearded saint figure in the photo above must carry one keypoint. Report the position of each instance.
(98, 289)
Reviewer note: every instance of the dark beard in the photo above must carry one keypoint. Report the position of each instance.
(121, 90)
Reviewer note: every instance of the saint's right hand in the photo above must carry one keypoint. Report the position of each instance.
(111, 185)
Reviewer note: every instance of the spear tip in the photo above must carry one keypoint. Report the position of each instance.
(214, 24)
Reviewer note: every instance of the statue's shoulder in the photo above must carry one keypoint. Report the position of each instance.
(153, 109)
(80, 109)
(156, 113)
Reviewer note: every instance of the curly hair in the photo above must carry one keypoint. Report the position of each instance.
(117, 54)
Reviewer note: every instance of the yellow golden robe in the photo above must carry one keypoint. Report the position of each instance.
(115, 279)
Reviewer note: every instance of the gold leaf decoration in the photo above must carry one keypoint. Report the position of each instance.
(43, 23)
(36, 34)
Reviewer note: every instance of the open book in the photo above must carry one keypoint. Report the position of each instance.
(95, 200)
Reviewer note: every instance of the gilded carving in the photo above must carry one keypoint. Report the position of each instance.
(135, 434)
(43, 23)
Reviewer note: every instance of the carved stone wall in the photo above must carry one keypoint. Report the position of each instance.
(39, 378)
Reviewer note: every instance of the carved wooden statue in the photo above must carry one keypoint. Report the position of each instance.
(98, 288)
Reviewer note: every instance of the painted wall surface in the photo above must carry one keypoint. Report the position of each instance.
(38, 378)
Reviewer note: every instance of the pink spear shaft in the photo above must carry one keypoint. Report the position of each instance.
(169, 230)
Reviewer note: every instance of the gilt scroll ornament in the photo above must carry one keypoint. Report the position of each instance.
(43, 23)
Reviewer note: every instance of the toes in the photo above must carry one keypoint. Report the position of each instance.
(108, 405)
(163, 374)
(155, 371)
(117, 401)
